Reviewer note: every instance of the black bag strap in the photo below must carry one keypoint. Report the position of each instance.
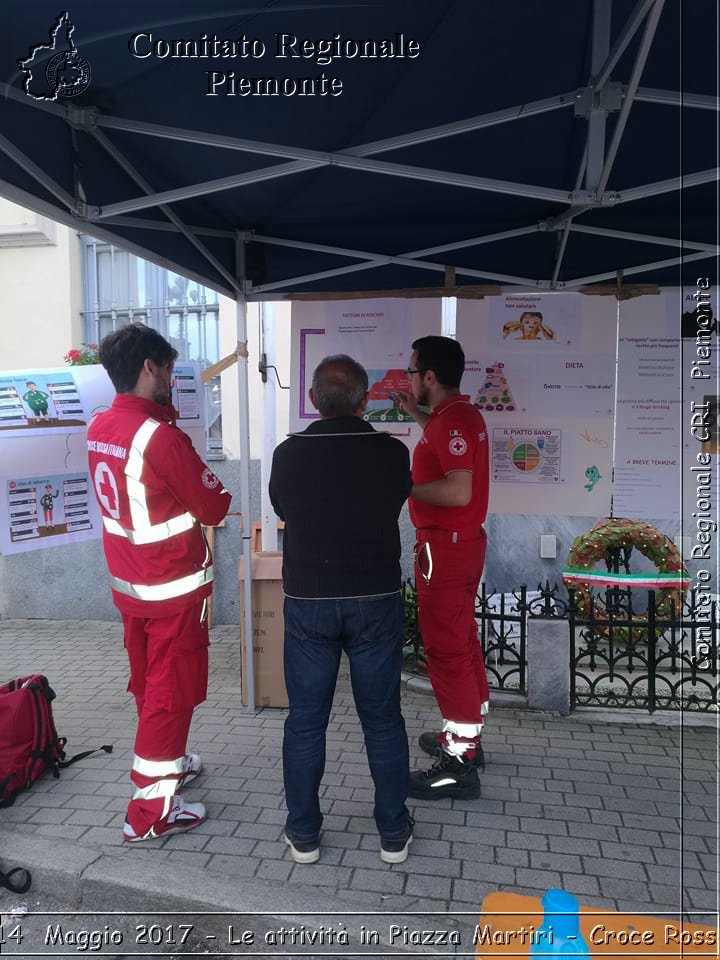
(106, 748)
(37, 691)
(21, 885)
(8, 800)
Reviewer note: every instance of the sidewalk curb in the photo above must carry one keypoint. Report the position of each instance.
(88, 880)
(85, 874)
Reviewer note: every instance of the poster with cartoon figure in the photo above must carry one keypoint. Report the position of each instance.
(562, 464)
(40, 402)
(46, 510)
(520, 322)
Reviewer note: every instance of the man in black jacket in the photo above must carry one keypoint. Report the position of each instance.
(339, 486)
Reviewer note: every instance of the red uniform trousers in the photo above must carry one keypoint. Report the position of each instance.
(447, 575)
(168, 678)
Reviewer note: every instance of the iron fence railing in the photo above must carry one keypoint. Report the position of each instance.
(502, 630)
(627, 652)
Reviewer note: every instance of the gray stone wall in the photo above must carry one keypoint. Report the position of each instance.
(72, 582)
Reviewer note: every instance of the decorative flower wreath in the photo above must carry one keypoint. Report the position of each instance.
(671, 578)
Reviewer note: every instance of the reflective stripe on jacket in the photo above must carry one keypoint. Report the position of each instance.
(154, 493)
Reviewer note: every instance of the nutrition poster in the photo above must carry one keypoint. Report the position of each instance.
(40, 403)
(526, 455)
(47, 509)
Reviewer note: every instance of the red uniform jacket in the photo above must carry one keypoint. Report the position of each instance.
(454, 438)
(154, 492)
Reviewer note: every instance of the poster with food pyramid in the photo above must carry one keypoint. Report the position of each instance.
(493, 394)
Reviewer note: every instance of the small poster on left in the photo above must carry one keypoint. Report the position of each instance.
(47, 510)
(36, 403)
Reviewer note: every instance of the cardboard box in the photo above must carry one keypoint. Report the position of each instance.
(268, 629)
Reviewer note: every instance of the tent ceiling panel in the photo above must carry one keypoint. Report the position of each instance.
(521, 67)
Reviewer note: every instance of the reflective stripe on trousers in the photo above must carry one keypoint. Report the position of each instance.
(158, 768)
(165, 776)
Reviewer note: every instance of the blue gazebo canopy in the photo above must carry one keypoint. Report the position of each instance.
(535, 145)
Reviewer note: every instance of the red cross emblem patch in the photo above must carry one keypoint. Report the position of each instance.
(106, 489)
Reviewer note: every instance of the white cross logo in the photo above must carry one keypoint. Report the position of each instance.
(106, 489)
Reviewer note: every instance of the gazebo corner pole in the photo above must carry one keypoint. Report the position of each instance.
(244, 412)
(269, 421)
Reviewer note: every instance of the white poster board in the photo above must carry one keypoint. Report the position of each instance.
(376, 333)
(541, 370)
(47, 509)
(53, 451)
(701, 426)
(649, 411)
(37, 402)
(188, 395)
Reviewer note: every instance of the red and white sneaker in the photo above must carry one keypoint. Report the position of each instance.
(192, 768)
(183, 816)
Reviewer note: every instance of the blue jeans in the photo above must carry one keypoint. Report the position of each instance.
(316, 632)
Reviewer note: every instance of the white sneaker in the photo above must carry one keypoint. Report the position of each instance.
(183, 816)
(302, 851)
(192, 768)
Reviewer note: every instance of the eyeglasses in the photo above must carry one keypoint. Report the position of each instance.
(410, 371)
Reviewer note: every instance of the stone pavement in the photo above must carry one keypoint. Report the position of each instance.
(623, 814)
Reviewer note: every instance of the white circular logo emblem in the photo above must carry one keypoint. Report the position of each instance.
(68, 73)
(457, 446)
(209, 479)
(106, 489)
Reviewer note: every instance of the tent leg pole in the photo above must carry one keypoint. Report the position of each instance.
(243, 390)
(267, 347)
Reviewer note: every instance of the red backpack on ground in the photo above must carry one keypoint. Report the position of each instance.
(29, 743)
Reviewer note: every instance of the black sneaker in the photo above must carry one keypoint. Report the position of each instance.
(449, 777)
(396, 851)
(430, 743)
(303, 851)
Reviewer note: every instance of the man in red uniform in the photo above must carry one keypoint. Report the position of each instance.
(154, 492)
(448, 505)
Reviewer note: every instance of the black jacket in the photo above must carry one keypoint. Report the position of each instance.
(339, 486)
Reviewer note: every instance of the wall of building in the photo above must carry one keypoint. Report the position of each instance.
(42, 289)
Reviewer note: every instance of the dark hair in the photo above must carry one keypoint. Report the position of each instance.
(339, 386)
(30, 383)
(443, 356)
(531, 313)
(123, 353)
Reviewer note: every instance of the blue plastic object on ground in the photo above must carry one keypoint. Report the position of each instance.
(559, 934)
